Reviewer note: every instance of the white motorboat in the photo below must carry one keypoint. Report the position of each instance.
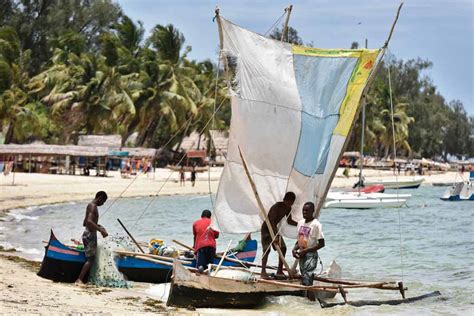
(402, 183)
(365, 203)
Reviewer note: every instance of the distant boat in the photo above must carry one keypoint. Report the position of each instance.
(461, 191)
(394, 184)
(365, 203)
(354, 200)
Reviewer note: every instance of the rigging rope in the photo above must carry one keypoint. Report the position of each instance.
(138, 173)
(396, 176)
(274, 24)
(172, 171)
(211, 141)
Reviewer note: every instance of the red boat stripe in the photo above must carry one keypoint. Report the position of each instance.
(65, 251)
(246, 254)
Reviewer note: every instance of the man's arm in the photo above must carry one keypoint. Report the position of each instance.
(90, 223)
(320, 245)
(291, 221)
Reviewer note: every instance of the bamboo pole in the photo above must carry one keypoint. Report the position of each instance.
(182, 245)
(222, 258)
(380, 285)
(264, 214)
(130, 235)
(285, 28)
(244, 263)
(149, 255)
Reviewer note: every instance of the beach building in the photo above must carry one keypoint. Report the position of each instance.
(196, 148)
(97, 153)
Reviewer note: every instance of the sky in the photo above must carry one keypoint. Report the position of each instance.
(441, 31)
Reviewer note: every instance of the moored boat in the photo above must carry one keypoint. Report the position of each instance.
(412, 183)
(63, 263)
(365, 203)
(243, 290)
(136, 267)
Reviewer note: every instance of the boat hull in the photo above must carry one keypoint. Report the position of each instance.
(365, 204)
(140, 270)
(203, 291)
(402, 184)
(61, 263)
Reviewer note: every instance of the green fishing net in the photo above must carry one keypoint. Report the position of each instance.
(104, 271)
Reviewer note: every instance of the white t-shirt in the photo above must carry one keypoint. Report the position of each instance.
(309, 233)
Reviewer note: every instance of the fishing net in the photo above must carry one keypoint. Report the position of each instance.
(105, 272)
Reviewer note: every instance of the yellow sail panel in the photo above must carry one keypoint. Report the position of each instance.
(355, 88)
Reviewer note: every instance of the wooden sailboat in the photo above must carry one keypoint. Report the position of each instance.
(293, 125)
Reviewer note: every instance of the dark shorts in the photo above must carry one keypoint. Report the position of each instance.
(308, 265)
(267, 239)
(205, 255)
(89, 239)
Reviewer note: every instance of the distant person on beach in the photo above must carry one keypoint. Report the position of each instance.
(89, 237)
(277, 212)
(193, 176)
(182, 178)
(310, 239)
(204, 241)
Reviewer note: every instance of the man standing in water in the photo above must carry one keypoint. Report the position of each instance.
(275, 215)
(89, 237)
(310, 240)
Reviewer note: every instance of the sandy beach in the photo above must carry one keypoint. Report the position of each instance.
(25, 293)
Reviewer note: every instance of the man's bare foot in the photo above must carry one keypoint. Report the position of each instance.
(280, 276)
(79, 282)
(265, 276)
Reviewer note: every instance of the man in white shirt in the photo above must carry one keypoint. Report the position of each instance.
(310, 240)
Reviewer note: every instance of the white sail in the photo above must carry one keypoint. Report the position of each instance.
(292, 110)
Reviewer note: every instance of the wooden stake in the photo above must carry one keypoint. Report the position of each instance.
(343, 293)
(285, 28)
(402, 289)
(130, 235)
(264, 214)
(222, 258)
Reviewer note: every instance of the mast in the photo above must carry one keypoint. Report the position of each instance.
(361, 154)
(285, 28)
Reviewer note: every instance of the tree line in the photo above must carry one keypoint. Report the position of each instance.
(69, 68)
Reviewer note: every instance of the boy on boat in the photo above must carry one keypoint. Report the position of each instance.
(277, 212)
(310, 240)
(89, 237)
(204, 241)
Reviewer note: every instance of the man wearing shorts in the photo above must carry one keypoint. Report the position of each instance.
(310, 240)
(89, 237)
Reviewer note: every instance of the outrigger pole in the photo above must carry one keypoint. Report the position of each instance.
(264, 215)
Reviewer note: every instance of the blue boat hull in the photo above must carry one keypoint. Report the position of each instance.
(139, 270)
(61, 263)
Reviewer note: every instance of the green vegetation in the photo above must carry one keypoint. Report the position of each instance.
(83, 67)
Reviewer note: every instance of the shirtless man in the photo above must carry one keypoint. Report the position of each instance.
(89, 237)
(277, 212)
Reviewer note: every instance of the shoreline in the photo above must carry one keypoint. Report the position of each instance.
(35, 189)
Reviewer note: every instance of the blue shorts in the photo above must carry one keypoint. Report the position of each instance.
(205, 256)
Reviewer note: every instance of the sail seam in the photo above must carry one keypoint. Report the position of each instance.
(258, 173)
(289, 108)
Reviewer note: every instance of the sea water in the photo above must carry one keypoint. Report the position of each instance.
(429, 245)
